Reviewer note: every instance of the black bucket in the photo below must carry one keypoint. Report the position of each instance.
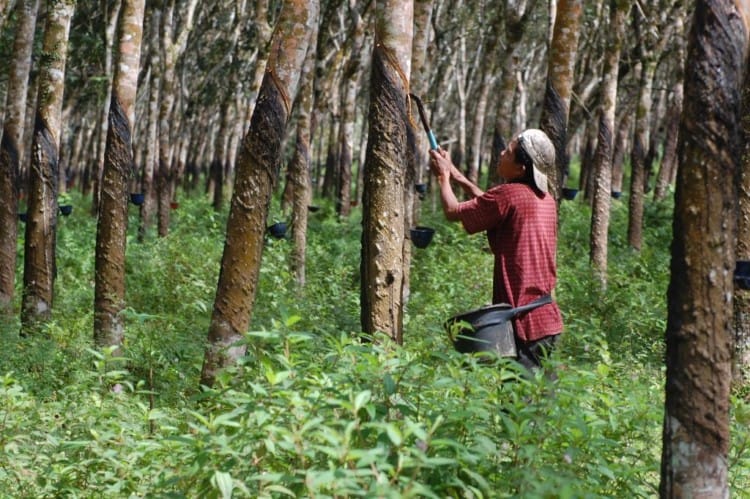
(487, 329)
(422, 236)
(277, 230)
(137, 198)
(569, 193)
(742, 274)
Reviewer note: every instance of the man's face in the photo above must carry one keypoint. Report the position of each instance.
(508, 168)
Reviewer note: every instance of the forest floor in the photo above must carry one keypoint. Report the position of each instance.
(312, 411)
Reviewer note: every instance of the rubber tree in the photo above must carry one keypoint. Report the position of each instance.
(560, 71)
(39, 268)
(111, 13)
(299, 167)
(173, 42)
(600, 212)
(256, 177)
(151, 132)
(741, 363)
(383, 197)
(699, 298)
(514, 21)
(5, 6)
(416, 157)
(668, 166)
(649, 48)
(350, 84)
(419, 83)
(12, 137)
(112, 223)
(219, 162)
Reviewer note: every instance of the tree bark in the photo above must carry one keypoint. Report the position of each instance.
(299, 167)
(477, 125)
(151, 138)
(111, 10)
(383, 199)
(112, 224)
(352, 70)
(638, 155)
(416, 157)
(741, 361)
(256, 177)
(560, 68)
(419, 81)
(173, 46)
(650, 49)
(668, 167)
(41, 225)
(5, 6)
(262, 40)
(622, 143)
(699, 323)
(12, 137)
(514, 22)
(220, 144)
(603, 157)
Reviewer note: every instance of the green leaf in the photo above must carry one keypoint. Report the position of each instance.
(394, 434)
(291, 321)
(361, 399)
(223, 481)
(281, 489)
(389, 385)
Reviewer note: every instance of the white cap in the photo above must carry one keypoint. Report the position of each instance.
(542, 153)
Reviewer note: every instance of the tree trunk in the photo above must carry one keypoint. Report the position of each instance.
(603, 159)
(638, 155)
(331, 175)
(151, 138)
(112, 11)
(741, 363)
(5, 7)
(89, 150)
(419, 79)
(12, 137)
(256, 176)
(173, 45)
(41, 225)
(262, 41)
(699, 323)
(299, 167)
(588, 163)
(620, 146)
(220, 145)
(112, 224)
(460, 70)
(668, 167)
(383, 201)
(477, 126)
(348, 112)
(514, 22)
(560, 68)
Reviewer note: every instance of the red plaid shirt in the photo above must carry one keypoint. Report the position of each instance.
(522, 231)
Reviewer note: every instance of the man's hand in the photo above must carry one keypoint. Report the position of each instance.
(440, 163)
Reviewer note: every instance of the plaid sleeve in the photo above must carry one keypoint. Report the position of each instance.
(483, 212)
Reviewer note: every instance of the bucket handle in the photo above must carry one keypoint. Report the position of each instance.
(504, 315)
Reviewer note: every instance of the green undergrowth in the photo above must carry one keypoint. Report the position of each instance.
(313, 411)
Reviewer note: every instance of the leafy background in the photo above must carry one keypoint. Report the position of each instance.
(312, 410)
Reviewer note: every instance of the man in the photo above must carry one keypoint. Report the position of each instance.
(520, 218)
